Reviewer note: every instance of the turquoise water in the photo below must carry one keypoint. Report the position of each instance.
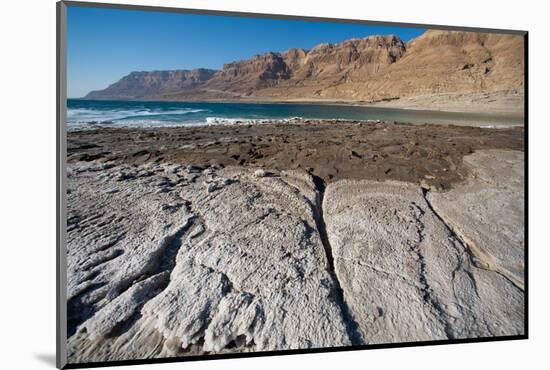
(93, 113)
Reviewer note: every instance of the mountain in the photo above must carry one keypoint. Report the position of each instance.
(371, 69)
(139, 85)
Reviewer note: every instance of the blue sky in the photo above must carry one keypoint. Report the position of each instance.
(104, 45)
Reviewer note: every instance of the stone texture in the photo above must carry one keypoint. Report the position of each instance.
(168, 260)
(487, 211)
(228, 262)
(138, 85)
(405, 275)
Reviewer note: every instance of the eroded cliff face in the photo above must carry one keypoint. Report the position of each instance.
(247, 76)
(138, 85)
(456, 62)
(376, 68)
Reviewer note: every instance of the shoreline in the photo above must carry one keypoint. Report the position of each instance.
(235, 122)
(328, 149)
(399, 103)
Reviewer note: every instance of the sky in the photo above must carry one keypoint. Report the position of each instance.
(104, 45)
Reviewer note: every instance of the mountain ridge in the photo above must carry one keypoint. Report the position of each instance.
(365, 70)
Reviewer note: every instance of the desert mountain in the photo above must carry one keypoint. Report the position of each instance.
(138, 85)
(375, 68)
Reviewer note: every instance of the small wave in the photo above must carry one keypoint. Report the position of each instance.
(85, 115)
(501, 126)
(79, 126)
(169, 112)
(248, 121)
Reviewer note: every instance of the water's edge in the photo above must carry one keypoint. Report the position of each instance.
(103, 113)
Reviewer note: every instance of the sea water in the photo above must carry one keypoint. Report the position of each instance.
(102, 113)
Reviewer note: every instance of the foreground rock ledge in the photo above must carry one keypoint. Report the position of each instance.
(407, 275)
(169, 260)
(487, 212)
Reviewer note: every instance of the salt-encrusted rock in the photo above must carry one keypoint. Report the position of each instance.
(172, 168)
(187, 271)
(126, 175)
(124, 306)
(487, 211)
(212, 187)
(110, 190)
(194, 169)
(229, 181)
(260, 173)
(165, 267)
(234, 322)
(405, 275)
(93, 166)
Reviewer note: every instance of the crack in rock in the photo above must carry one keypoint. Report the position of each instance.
(406, 275)
(427, 293)
(352, 326)
(247, 271)
(264, 263)
(477, 257)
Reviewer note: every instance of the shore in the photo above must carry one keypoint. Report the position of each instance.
(303, 234)
(506, 103)
(331, 150)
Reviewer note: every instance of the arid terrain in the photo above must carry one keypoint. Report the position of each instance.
(291, 235)
(445, 70)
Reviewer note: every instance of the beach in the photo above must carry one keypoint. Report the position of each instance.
(293, 233)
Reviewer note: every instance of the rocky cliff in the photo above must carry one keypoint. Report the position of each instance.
(139, 85)
(372, 69)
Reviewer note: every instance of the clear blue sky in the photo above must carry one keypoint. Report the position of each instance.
(104, 45)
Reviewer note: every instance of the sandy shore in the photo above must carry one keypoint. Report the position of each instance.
(219, 239)
(505, 103)
(492, 103)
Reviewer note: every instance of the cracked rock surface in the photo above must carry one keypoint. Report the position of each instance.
(167, 260)
(170, 260)
(406, 274)
(487, 212)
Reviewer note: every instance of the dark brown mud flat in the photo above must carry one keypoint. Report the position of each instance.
(429, 154)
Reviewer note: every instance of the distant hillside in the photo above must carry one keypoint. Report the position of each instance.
(139, 85)
(372, 69)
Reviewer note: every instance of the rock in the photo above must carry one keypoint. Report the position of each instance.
(405, 275)
(217, 166)
(126, 175)
(92, 166)
(171, 207)
(260, 173)
(194, 169)
(229, 181)
(395, 72)
(212, 187)
(244, 270)
(487, 211)
(172, 168)
(266, 263)
(158, 82)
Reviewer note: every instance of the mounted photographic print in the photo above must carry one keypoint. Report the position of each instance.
(236, 184)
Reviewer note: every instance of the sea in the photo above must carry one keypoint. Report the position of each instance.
(82, 114)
